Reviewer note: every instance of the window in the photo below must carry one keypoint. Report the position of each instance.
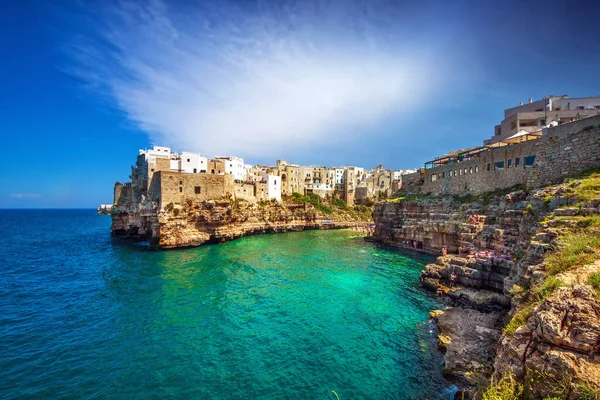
(197, 189)
(509, 164)
(470, 170)
(180, 189)
(443, 176)
(517, 161)
(488, 166)
(465, 171)
(499, 165)
(195, 170)
(476, 169)
(181, 182)
(580, 107)
(454, 172)
(188, 160)
(433, 177)
(542, 122)
(528, 161)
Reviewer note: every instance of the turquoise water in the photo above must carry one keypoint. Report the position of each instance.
(287, 316)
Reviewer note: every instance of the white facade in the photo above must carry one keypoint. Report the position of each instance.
(235, 166)
(360, 173)
(193, 163)
(274, 187)
(339, 175)
(156, 152)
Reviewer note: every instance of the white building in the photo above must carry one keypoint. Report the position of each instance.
(360, 173)
(156, 152)
(234, 166)
(339, 175)
(193, 163)
(274, 187)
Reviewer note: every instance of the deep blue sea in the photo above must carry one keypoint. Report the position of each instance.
(286, 316)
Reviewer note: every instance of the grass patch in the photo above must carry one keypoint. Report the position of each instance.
(594, 280)
(575, 249)
(585, 392)
(506, 388)
(548, 286)
(519, 319)
(586, 185)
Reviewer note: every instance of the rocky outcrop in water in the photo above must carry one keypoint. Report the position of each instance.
(496, 251)
(193, 224)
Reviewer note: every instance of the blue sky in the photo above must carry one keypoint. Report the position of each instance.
(85, 84)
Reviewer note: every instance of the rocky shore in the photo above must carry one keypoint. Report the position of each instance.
(215, 221)
(511, 313)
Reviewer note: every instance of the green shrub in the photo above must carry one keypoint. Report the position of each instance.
(339, 203)
(176, 211)
(505, 389)
(169, 207)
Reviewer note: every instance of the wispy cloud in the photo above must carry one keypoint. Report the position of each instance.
(24, 195)
(256, 81)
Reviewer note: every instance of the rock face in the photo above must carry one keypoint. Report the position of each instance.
(494, 251)
(194, 224)
(468, 340)
(559, 344)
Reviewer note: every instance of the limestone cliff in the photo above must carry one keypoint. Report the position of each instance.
(214, 221)
(511, 311)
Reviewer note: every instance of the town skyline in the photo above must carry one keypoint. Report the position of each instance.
(435, 84)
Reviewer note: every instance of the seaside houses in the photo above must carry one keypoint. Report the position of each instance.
(162, 176)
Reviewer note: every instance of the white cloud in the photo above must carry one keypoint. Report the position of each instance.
(252, 82)
(24, 195)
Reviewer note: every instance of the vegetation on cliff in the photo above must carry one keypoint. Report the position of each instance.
(571, 260)
(538, 248)
(332, 206)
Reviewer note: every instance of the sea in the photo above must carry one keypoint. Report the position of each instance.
(303, 315)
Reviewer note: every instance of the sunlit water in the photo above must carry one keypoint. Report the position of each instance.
(287, 316)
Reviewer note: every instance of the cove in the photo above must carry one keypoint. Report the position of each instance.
(293, 315)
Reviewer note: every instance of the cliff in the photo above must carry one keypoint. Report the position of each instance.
(214, 221)
(519, 271)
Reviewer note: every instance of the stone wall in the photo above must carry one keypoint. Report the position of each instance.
(496, 168)
(262, 192)
(544, 161)
(123, 194)
(176, 187)
(564, 155)
(244, 191)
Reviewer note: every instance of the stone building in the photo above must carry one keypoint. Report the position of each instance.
(161, 176)
(292, 180)
(560, 151)
(535, 115)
